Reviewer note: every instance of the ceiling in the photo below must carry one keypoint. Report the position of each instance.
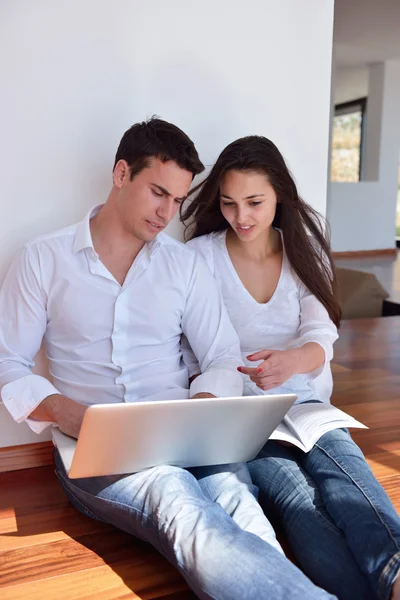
(366, 31)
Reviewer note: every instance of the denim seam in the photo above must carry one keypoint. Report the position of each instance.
(385, 579)
(71, 485)
(359, 486)
(107, 500)
(88, 512)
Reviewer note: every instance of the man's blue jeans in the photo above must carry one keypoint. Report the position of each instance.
(206, 522)
(340, 523)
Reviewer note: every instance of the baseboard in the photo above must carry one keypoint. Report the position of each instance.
(386, 252)
(16, 434)
(28, 456)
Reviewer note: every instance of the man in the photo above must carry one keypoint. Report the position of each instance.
(112, 296)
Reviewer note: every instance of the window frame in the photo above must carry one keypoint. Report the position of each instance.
(346, 108)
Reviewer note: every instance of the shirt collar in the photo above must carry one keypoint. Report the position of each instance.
(153, 246)
(83, 237)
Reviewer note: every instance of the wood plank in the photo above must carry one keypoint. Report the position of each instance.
(385, 464)
(100, 583)
(142, 578)
(392, 487)
(379, 253)
(27, 456)
(69, 555)
(374, 441)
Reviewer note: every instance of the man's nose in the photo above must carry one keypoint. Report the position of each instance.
(166, 209)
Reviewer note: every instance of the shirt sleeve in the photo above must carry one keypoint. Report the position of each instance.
(315, 326)
(23, 323)
(210, 334)
(191, 362)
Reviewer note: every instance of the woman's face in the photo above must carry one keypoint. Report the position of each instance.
(248, 202)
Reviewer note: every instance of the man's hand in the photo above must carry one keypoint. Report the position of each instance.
(277, 367)
(202, 395)
(59, 409)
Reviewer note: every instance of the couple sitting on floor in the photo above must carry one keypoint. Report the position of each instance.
(249, 306)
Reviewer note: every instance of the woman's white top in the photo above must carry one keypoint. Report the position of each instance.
(290, 319)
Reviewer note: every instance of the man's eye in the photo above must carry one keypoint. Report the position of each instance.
(159, 194)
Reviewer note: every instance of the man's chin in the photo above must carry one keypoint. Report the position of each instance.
(147, 236)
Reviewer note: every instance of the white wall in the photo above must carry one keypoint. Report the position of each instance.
(363, 215)
(80, 73)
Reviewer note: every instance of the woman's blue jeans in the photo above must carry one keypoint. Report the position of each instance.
(340, 523)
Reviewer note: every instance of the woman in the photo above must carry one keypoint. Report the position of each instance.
(270, 256)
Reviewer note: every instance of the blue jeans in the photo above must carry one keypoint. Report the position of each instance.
(340, 523)
(207, 523)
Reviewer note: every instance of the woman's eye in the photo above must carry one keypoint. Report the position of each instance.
(227, 204)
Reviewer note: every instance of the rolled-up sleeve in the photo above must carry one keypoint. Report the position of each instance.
(22, 326)
(211, 336)
(315, 326)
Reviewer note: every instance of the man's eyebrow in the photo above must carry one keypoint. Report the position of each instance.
(247, 197)
(166, 192)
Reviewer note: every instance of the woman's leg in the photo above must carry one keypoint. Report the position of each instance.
(358, 505)
(287, 492)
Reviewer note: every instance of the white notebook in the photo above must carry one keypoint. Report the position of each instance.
(304, 424)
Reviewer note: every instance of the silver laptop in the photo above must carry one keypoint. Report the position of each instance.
(126, 438)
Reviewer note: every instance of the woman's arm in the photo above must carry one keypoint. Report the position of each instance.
(311, 351)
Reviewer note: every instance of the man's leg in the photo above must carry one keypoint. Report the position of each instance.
(166, 507)
(231, 487)
(359, 506)
(289, 494)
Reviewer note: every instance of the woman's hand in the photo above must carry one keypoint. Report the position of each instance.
(277, 367)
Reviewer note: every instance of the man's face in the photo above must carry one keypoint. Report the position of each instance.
(148, 203)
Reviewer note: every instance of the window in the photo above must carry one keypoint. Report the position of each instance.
(348, 141)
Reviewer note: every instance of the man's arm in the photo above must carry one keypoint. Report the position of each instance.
(23, 321)
(210, 334)
(59, 409)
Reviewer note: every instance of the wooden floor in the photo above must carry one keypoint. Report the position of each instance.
(49, 551)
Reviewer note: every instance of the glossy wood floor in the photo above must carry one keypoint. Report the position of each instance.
(49, 551)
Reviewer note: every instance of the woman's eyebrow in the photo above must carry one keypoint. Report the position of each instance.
(247, 197)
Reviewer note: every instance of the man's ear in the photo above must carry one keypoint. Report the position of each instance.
(121, 172)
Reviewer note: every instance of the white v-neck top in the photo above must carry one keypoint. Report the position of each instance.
(290, 319)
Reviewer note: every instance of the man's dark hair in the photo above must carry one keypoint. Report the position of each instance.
(156, 138)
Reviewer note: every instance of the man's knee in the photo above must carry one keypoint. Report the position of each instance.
(171, 490)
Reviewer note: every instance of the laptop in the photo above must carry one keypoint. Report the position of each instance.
(122, 438)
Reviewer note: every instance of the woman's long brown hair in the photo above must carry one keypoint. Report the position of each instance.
(309, 255)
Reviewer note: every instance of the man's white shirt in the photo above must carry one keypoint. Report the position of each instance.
(106, 342)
